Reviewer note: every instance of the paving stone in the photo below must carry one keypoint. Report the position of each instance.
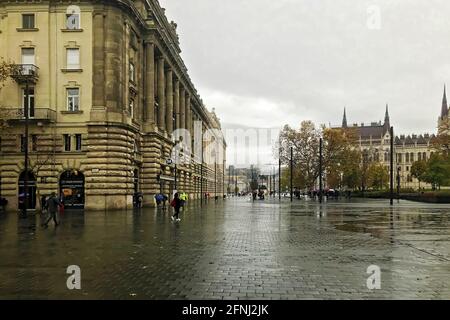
(236, 249)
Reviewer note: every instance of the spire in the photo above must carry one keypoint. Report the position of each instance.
(444, 110)
(344, 120)
(387, 121)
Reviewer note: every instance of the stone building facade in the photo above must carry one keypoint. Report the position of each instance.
(374, 142)
(106, 89)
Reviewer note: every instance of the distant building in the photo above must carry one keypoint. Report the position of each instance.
(374, 142)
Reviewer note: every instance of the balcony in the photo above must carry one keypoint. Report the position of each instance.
(36, 115)
(23, 73)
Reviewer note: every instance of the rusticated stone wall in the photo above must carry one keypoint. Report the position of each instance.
(108, 169)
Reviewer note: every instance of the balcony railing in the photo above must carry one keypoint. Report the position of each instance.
(34, 114)
(25, 72)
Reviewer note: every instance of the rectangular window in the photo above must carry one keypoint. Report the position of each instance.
(73, 58)
(67, 142)
(132, 73)
(34, 141)
(73, 21)
(73, 99)
(28, 60)
(78, 142)
(28, 21)
(131, 108)
(28, 102)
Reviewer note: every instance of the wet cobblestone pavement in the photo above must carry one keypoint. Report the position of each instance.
(235, 249)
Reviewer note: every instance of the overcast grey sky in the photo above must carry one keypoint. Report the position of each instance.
(265, 63)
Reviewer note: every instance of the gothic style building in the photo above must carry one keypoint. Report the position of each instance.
(374, 142)
(106, 87)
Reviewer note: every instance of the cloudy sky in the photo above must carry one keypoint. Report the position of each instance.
(265, 63)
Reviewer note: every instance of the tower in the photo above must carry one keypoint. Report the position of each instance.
(387, 122)
(444, 109)
(444, 119)
(344, 120)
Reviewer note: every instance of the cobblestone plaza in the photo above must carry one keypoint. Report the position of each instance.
(233, 249)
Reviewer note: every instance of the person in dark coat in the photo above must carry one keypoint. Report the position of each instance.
(176, 204)
(53, 204)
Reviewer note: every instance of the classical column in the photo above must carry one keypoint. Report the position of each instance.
(188, 113)
(182, 107)
(150, 83)
(169, 101)
(176, 103)
(161, 94)
(99, 60)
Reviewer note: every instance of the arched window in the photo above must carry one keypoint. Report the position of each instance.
(73, 15)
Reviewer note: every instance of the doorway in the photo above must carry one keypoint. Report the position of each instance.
(31, 194)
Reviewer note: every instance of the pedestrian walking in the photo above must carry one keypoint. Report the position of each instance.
(52, 204)
(176, 204)
(183, 198)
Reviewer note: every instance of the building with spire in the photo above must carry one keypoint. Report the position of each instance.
(444, 117)
(374, 142)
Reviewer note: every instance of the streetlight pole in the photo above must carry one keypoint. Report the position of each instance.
(201, 176)
(320, 169)
(398, 183)
(279, 175)
(392, 167)
(25, 178)
(235, 182)
(215, 178)
(223, 179)
(292, 171)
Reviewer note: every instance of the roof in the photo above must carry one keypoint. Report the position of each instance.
(371, 131)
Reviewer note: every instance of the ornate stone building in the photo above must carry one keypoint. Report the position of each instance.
(106, 89)
(374, 141)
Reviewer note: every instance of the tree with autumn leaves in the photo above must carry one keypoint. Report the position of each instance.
(341, 156)
(436, 170)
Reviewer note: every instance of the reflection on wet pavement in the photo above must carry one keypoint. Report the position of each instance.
(237, 249)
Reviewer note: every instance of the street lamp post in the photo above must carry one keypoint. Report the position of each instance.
(25, 178)
(392, 167)
(223, 179)
(279, 175)
(398, 183)
(215, 178)
(320, 169)
(292, 171)
(235, 183)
